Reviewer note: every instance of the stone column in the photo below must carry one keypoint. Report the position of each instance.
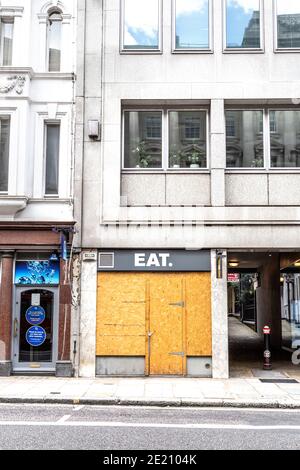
(220, 357)
(6, 315)
(88, 314)
(218, 153)
(64, 366)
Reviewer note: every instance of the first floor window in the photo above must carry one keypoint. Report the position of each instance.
(142, 139)
(6, 41)
(192, 24)
(52, 137)
(288, 24)
(4, 152)
(141, 24)
(54, 41)
(285, 138)
(243, 24)
(187, 139)
(244, 139)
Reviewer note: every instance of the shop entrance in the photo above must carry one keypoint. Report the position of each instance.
(154, 324)
(35, 330)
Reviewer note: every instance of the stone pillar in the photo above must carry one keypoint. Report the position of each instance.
(64, 366)
(88, 314)
(6, 314)
(220, 357)
(218, 153)
(269, 300)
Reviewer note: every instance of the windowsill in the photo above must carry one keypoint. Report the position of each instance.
(169, 171)
(285, 50)
(290, 170)
(243, 51)
(192, 51)
(141, 51)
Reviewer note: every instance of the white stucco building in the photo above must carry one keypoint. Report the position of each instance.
(37, 89)
(197, 157)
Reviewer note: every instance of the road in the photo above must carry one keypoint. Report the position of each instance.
(25, 427)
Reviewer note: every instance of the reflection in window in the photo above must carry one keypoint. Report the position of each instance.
(142, 139)
(187, 139)
(288, 23)
(192, 24)
(141, 24)
(243, 24)
(4, 152)
(52, 158)
(244, 141)
(6, 41)
(285, 140)
(54, 41)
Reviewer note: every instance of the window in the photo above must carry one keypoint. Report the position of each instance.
(54, 41)
(192, 24)
(52, 140)
(143, 139)
(243, 24)
(244, 139)
(165, 139)
(4, 152)
(187, 139)
(141, 20)
(288, 24)
(6, 41)
(285, 138)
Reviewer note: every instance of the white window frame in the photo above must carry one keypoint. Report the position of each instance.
(8, 116)
(158, 50)
(281, 168)
(204, 50)
(9, 19)
(265, 144)
(46, 123)
(243, 50)
(276, 48)
(53, 10)
(165, 140)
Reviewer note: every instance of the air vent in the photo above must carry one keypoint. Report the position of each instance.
(106, 260)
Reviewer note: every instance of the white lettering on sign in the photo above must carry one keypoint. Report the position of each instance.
(159, 260)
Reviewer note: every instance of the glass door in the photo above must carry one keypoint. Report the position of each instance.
(35, 329)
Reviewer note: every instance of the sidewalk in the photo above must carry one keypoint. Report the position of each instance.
(235, 392)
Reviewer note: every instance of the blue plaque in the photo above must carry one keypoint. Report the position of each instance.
(36, 336)
(35, 315)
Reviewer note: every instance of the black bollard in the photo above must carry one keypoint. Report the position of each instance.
(267, 351)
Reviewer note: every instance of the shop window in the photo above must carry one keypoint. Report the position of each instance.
(52, 141)
(288, 24)
(243, 24)
(187, 139)
(244, 144)
(192, 25)
(6, 41)
(285, 139)
(54, 41)
(4, 152)
(141, 25)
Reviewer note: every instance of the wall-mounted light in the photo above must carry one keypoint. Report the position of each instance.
(219, 264)
(94, 129)
(233, 264)
(297, 264)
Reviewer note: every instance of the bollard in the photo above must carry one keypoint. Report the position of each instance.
(267, 352)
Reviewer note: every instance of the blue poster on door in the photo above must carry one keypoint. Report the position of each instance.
(35, 315)
(37, 273)
(36, 336)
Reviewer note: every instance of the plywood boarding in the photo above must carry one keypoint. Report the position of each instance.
(121, 307)
(198, 314)
(166, 324)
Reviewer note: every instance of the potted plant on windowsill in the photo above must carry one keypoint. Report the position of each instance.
(143, 158)
(175, 160)
(195, 159)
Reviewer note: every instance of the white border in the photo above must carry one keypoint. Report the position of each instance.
(275, 27)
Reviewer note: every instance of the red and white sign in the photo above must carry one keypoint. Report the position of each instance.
(232, 277)
(266, 330)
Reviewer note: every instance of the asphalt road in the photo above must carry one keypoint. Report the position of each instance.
(38, 427)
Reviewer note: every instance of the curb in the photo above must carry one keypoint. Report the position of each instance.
(171, 403)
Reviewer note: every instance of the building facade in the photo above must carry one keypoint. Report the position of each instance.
(188, 143)
(37, 92)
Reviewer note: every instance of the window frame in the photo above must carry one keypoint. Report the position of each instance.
(165, 161)
(244, 50)
(140, 50)
(46, 123)
(9, 117)
(280, 168)
(49, 13)
(10, 20)
(275, 28)
(194, 50)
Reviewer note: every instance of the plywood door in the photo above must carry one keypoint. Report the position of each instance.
(166, 325)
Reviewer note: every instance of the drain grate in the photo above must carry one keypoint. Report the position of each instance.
(279, 381)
